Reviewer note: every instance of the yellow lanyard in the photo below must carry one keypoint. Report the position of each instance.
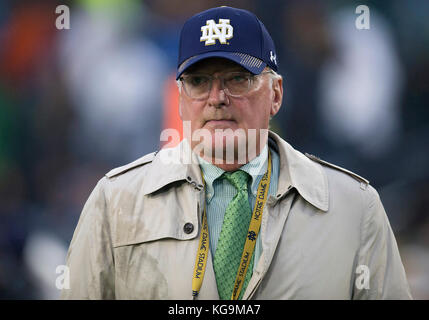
(249, 246)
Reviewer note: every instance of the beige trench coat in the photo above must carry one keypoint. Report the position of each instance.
(325, 235)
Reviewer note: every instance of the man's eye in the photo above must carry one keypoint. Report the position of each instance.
(197, 80)
(238, 78)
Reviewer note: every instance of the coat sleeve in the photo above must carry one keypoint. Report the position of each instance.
(378, 257)
(90, 255)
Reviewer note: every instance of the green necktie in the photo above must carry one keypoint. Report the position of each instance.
(233, 237)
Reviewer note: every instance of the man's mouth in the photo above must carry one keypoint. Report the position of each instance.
(220, 124)
(220, 121)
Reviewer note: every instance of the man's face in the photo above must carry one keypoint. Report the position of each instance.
(220, 111)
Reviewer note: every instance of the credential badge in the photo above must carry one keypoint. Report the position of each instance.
(212, 31)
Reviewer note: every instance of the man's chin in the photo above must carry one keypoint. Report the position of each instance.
(225, 151)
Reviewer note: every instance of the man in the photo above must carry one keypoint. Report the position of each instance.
(233, 212)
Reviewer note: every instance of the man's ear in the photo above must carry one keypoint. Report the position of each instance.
(277, 95)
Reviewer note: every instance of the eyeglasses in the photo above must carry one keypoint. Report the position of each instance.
(235, 84)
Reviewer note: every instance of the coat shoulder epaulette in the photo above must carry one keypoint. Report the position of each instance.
(137, 163)
(323, 162)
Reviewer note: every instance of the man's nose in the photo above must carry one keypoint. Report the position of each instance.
(217, 96)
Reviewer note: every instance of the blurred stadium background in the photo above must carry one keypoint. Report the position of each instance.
(76, 103)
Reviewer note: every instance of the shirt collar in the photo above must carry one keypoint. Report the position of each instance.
(255, 168)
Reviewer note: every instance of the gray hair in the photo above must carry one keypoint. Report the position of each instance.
(273, 75)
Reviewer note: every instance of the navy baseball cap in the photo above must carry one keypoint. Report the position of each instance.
(229, 33)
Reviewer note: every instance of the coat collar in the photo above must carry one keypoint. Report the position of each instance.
(299, 172)
(296, 170)
(171, 165)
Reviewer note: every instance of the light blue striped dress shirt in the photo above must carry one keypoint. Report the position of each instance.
(219, 192)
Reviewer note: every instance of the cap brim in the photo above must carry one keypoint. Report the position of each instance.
(252, 64)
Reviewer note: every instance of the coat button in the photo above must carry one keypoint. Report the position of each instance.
(188, 228)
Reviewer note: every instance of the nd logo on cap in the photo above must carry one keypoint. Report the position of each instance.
(212, 32)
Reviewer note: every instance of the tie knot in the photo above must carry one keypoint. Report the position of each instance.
(238, 179)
